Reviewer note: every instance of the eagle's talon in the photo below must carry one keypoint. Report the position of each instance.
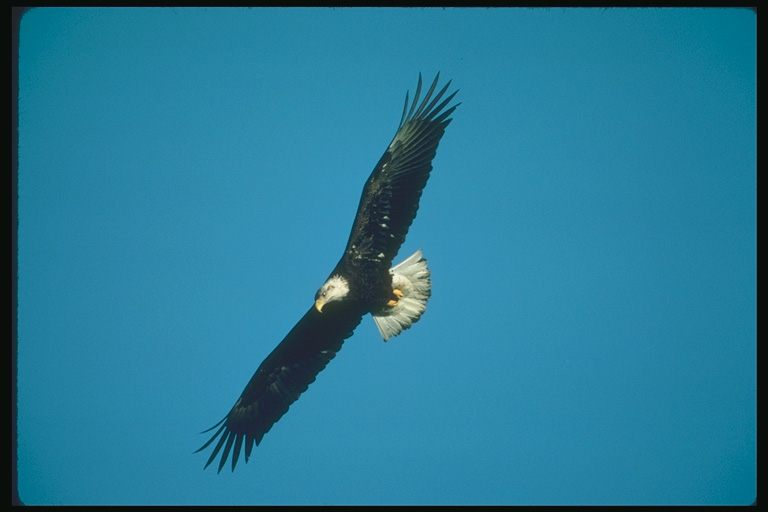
(394, 302)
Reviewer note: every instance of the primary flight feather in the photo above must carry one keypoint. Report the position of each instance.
(362, 282)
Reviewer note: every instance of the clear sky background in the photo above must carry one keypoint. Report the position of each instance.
(188, 177)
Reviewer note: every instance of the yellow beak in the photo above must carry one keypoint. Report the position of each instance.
(319, 303)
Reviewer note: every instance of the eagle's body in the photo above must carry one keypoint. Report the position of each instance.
(361, 283)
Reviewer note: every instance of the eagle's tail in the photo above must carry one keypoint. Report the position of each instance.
(411, 278)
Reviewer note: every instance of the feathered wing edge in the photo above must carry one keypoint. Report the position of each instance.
(429, 111)
(391, 195)
(279, 381)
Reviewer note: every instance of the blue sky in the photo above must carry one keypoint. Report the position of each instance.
(188, 177)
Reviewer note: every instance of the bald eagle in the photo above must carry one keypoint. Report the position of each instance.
(361, 283)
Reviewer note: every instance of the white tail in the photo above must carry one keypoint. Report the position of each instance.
(411, 277)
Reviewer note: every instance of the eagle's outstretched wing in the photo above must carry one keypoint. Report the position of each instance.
(283, 376)
(391, 195)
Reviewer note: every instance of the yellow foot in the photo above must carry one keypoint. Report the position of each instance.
(393, 302)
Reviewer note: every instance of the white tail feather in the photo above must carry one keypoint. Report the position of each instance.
(412, 278)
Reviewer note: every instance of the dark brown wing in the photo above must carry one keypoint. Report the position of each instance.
(283, 376)
(391, 195)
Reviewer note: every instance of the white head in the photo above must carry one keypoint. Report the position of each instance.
(335, 288)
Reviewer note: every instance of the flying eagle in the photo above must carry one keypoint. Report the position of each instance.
(361, 283)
